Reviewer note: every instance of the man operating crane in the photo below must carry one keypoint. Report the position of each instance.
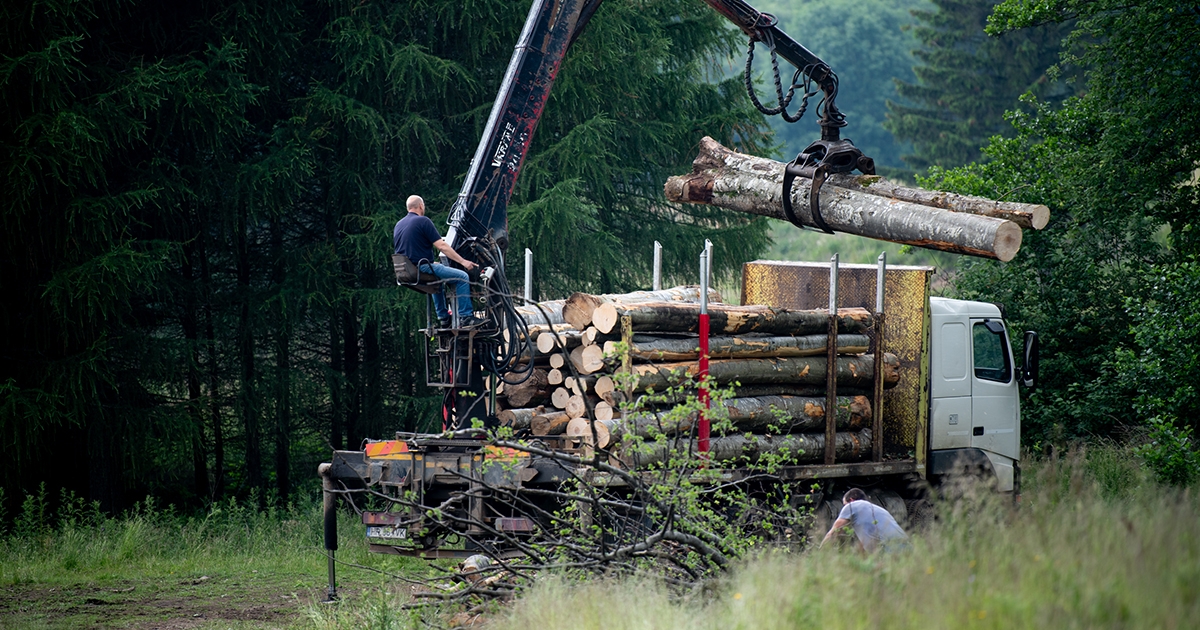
(416, 237)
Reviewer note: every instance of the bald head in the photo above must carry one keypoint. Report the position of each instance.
(416, 204)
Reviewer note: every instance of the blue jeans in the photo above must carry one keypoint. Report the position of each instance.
(459, 280)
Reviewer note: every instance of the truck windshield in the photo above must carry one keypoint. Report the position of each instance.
(991, 355)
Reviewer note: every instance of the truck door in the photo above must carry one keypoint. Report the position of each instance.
(951, 380)
(994, 406)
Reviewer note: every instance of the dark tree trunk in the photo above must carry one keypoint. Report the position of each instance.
(283, 368)
(191, 335)
(247, 399)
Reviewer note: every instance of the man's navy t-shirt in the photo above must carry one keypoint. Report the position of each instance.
(414, 237)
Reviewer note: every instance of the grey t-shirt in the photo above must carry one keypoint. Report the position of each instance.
(873, 525)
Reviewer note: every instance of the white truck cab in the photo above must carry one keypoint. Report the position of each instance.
(975, 409)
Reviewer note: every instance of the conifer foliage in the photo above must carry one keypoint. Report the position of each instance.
(967, 80)
(199, 204)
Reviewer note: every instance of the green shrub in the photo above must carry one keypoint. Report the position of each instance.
(1169, 454)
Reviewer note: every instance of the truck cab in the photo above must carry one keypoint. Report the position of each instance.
(975, 407)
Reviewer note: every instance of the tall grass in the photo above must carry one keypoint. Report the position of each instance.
(76, 543)
(1093, 544)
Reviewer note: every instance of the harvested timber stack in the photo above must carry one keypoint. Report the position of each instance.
(579, 307)
(863, 205)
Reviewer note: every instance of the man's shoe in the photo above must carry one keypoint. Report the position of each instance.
(443, 322)
(471, 322)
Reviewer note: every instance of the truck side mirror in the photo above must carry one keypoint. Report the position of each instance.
(1029, 367)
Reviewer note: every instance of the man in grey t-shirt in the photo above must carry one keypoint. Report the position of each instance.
(873, 525)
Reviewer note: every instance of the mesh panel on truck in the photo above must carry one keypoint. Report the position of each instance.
(801, 285)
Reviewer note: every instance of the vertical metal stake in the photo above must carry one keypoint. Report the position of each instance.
(704, 428)
(657, 266)
(708, 257)
(528, 275)
(877, 379)
(831, 367)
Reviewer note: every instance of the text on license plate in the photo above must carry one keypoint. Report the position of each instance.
(386, 531)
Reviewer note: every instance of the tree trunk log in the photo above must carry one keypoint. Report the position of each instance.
(554, 376)
(550, 423)
(764, 414)
(754, 185)
(646, 348)
(578, 308)
(557, 361)
(1026, 215)
(534, 316)
(803, 448)
(519, 418)
(548, 342)
(559, 397)
(856, 372)
(730, 320)
(534, 390)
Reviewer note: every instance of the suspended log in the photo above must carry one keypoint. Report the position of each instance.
(1026, 215)
(726, 319)
(645, 348)
(542, 313)
(551, 423)
(764, 414)
(578, 308)
(754, 185)
(534, 390)
(804, 448)
(852, 372)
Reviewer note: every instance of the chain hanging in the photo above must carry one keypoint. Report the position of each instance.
(799, 80)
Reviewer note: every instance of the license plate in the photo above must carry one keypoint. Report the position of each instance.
(385, 531)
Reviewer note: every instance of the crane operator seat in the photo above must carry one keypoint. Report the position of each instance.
(408, 276)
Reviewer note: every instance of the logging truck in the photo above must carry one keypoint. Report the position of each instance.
(847, 375)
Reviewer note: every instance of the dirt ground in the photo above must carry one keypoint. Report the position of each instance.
(253, 601)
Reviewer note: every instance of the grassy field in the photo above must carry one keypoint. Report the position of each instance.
(1095, 543)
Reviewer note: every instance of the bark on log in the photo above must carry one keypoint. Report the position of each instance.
(551, 423)
(756, 390)
(754, 185)
(763, 414)
(534, 316)
(578, 308)
(803, 448)
(856, 372)
(548, 342)
(646, 348)
(731, 320)
(534, 390)
(519, 418)
(1026, 215)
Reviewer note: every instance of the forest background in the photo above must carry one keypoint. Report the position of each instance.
(197, 298)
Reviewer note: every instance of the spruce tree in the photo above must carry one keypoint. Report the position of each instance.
(967, 80)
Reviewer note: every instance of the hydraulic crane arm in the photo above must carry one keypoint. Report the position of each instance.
(481, 209)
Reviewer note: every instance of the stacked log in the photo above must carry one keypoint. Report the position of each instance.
(568, 351)
(600, 390)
